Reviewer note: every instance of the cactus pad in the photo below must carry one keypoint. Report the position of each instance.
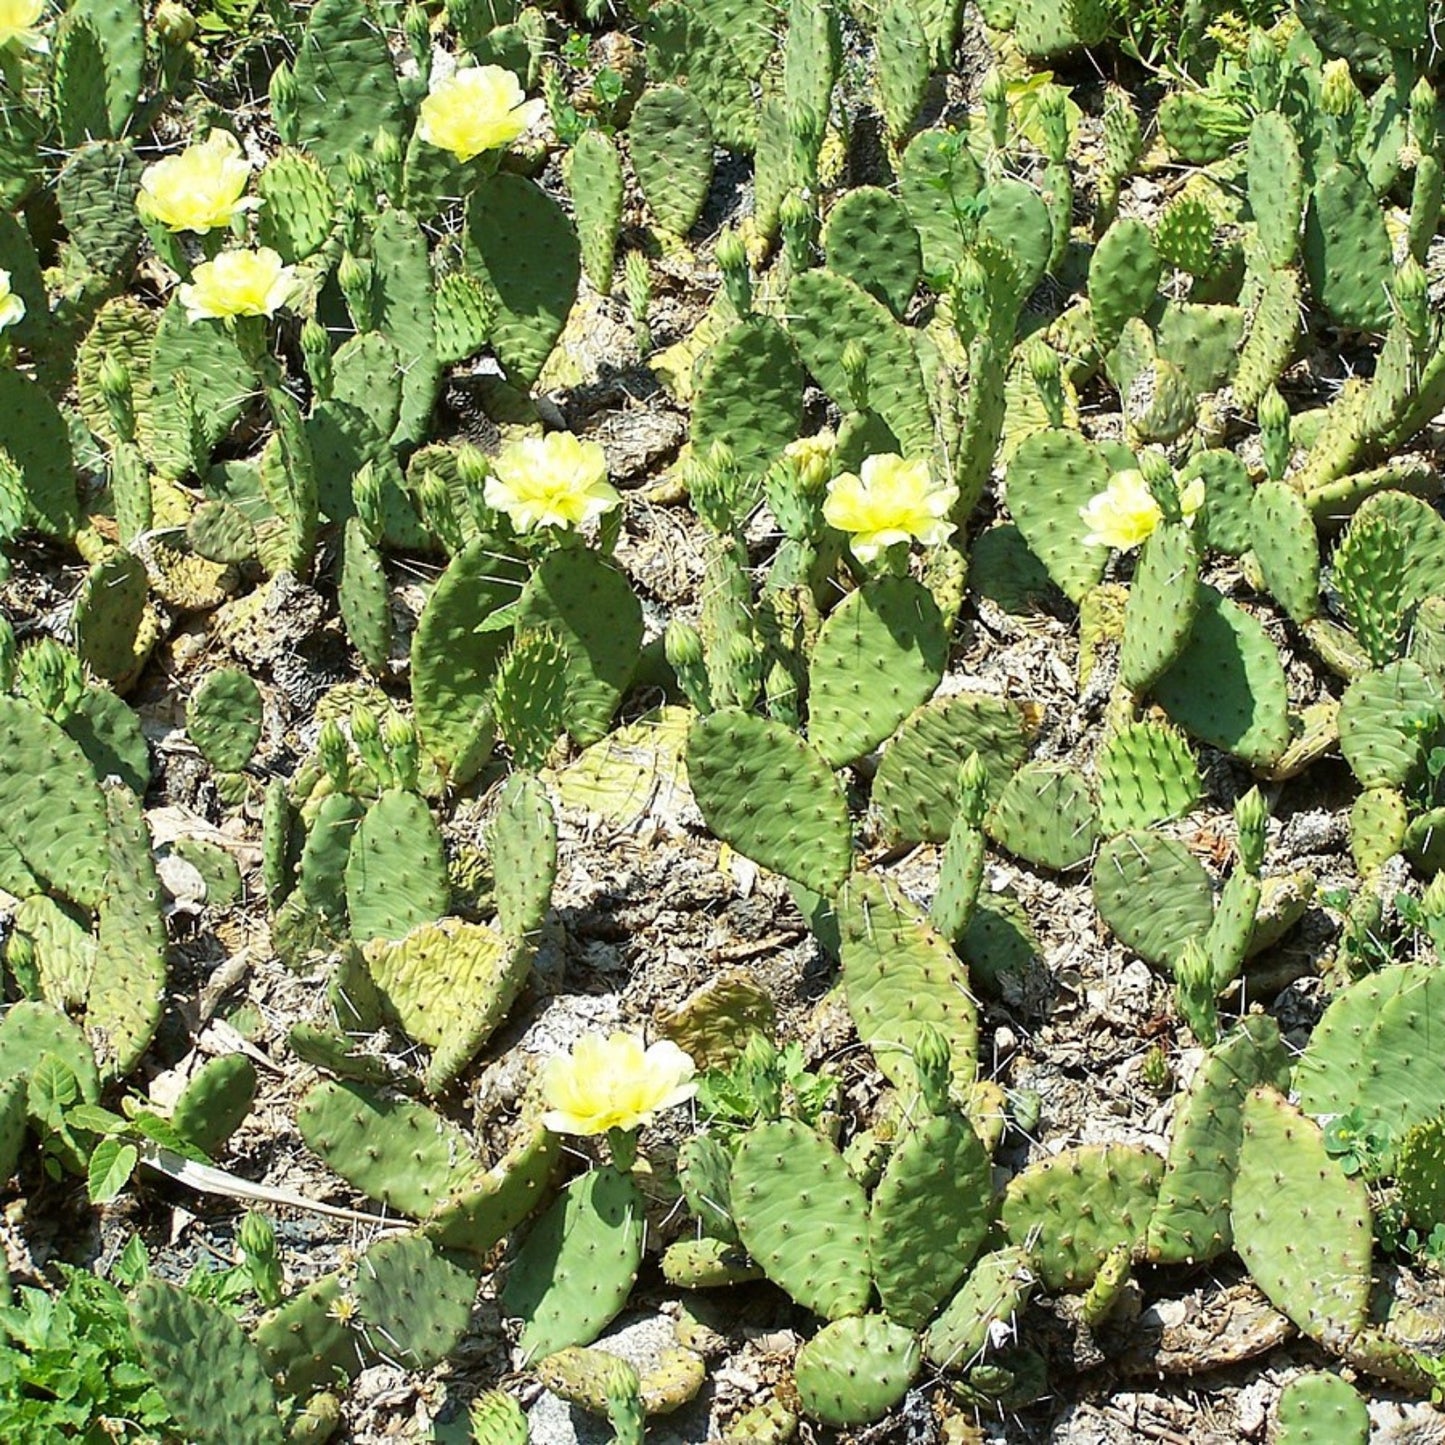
(915, 791)
(1301, 1225)
(576, 1268)
(1227, 688)
(928, 1216)
(900, 975)
(450, 984)
(803, 1217)
(1153, 893)
(855, 1370)
(1191, 1220)
(1073, 1210)
(210, 1375)
(766, 792)
(880, 654)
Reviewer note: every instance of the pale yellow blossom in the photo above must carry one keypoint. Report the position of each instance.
(201, 189)
(550, 481)
(614, 1083)
(239, 283)
(1125, 513)
(12, 308)
(893, 500)
(20, 24)
(479, 109)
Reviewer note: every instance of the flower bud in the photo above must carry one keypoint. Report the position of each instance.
(386, 148)
(1423, 116)
(115, 391)
(283, 88)
(50, 676)
(316, 354)
(1194, 992)
(1274, 433)
(399, 739)
(812, 458)
(366, 735)
(1043, 363)
(798, 220)
(973, 790)
(358, 169)
(114, 379)
(1262, 59)
(637, 283)
(1338, 95)
(932, 1059)
(1411, 295)
(1251, 813)
(763, 1069)
(732, 259)
(174, 24)
(742, 653)
(439, 510)
(993, 94)
(256, 1237)
(473, 466)
(335, 754)
(682, 644)
(1273, 411)
(1051, 111)
(855, 373)
(417, 24)
(1046, 371)
(367, 495)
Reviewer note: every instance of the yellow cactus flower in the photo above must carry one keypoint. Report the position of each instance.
(12, 308)
(239, 283)
(1125, 513)
(893, 500)
(550, 481)
(479, 109)
(20, 24)
(614, 1083)
(200, 189)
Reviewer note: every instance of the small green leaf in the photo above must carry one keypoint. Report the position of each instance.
(111, 1165)
(94, 1120)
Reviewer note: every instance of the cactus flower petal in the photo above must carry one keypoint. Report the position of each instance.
(20, 24)
(482, 108)
(555, 480)
(614, 1083)
(890, 500)
(1125, 513)
(12, 308)
(239, 283)
(201, 189)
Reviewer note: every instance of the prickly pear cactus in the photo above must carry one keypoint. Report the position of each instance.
(576, 1268)
(900, 977)
(803, 1217)
(765, 791)
(880, 654)
(210, 1375)
(1319, 1408)
(396, 873)
(1073, 1210)
(1191, 1221)
(450, 984)
(855, 1370)
(223, 718)
(1301, 1225)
